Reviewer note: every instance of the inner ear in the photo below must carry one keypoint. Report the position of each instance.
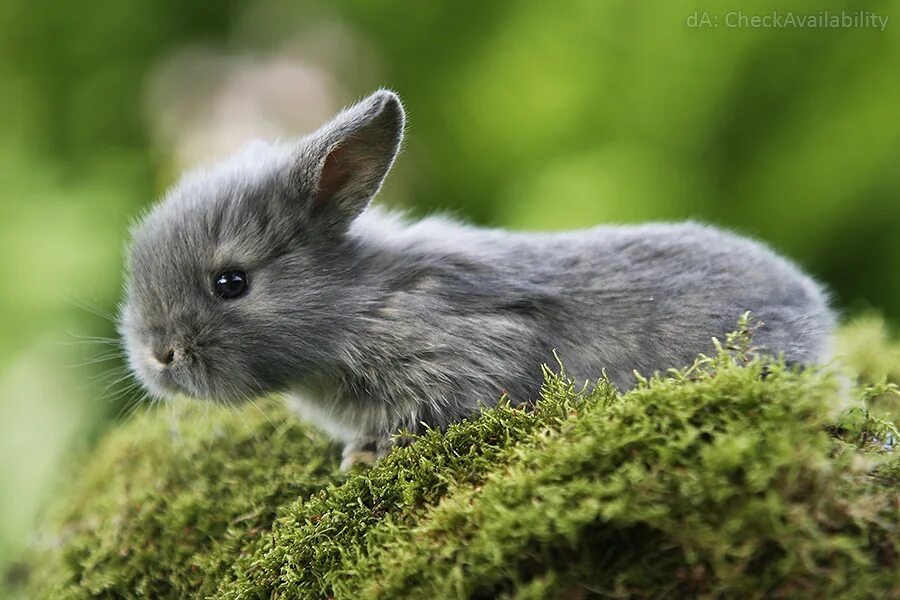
(336, 172)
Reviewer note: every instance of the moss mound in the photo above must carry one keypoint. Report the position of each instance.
(735, 477)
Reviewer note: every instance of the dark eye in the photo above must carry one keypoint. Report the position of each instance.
(230, 283)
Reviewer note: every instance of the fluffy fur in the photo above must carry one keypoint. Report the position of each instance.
(370, 323)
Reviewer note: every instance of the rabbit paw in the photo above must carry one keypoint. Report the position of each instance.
(362, 452)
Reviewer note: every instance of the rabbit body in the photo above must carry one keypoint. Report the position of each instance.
(448, 316)
(371, 323)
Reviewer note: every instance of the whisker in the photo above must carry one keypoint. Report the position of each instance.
(105, 377)
(126, 391)
(93, 309)
(123, 377)
(259, 409)
(96, 360)
(129, 408)
(98, 342)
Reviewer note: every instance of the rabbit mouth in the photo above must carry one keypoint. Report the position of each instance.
(186, 374)
(165, 380)
(162, 383)
(174, 380)
(202, 386)
(167, 384)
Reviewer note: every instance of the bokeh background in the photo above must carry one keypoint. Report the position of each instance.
(533, 114)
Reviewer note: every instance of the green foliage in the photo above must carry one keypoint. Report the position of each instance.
(734, 477)
(867, 351)
(174, 496)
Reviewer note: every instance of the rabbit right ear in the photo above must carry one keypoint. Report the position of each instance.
(340, 167)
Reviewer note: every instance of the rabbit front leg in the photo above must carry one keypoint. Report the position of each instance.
(367, 451)
(362, 451)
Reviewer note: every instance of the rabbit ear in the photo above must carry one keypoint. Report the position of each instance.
(341, 166)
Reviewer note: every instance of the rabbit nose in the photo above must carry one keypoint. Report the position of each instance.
(164, 354)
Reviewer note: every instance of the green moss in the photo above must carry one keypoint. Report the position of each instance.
(866, 348)
(735, 477)
(171, 498)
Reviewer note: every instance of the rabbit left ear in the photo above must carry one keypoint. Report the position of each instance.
(340, 167)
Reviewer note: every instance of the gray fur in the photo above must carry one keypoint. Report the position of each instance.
(370, 323)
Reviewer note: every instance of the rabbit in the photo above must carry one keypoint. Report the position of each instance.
(270, 273)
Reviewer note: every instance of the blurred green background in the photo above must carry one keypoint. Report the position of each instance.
(522, 114)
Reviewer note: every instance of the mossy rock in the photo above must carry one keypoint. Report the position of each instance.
(736, 477)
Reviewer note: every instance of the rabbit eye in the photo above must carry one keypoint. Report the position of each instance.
(230, 283)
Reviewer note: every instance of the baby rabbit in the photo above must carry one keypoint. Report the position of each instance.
(270, 273)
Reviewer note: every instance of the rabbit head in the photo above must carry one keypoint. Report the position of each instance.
(237, 281)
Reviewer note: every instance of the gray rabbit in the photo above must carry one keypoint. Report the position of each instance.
(270, 273)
